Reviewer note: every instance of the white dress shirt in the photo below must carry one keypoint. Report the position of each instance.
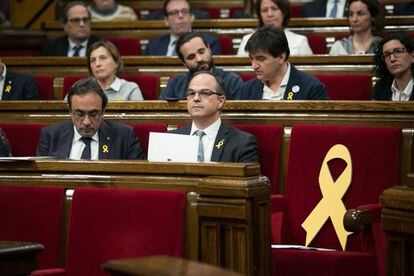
(340, 8)
(398, 95)
(209, 138)
(269, 94)
(2, 80)
(78, 146)
(171, 46)
(82, 52)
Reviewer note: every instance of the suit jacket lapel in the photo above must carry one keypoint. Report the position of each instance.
(220, 143)
(105, 142)
(292, 81)
(8, 87)
(65, 144)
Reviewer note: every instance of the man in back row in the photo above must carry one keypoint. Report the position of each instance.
(276, 78)
(177, 17)
(196, 55)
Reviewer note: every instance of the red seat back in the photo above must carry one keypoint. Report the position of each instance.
(127, 46)
(45, 87)
(317, 44)
(19, 53)
(247, 77)
(268, 139)
(215, 13)
(33, 214)
(68, 82)
(142, 131)
(226, 44)
(374, 153)
(110, 224)
(23, 138)
(347, 87)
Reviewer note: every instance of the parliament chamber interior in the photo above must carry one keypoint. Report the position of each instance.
(349, 155)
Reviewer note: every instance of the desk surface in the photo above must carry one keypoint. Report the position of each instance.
(18, 258)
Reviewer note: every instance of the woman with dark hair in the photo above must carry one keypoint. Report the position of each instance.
(276, 13)
(367, 24)
(105, 65)
(394, 65)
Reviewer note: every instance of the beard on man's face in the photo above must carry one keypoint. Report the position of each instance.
(202, 66)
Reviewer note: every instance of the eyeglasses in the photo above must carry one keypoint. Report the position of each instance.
(203, 93)
(397, 52)
(78, 20)
(92, 115)
(177, 12)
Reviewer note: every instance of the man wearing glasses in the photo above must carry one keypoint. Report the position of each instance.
(88, 136)
(177, 17)
(218, 142)
(76, 20)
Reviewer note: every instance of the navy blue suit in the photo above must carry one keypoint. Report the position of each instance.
(317, 8)
(120, 141)
(310, 88)
(60, 46)
(178, 86)
(382, 91)
(159, 46)
(18, 86)
(237, 146)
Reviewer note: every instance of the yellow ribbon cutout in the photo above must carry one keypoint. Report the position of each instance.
(220, 144)
(105, 149)
(290, 96)
(8, 89)
(331, 205)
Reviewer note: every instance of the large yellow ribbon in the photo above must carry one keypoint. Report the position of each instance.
(331, 205)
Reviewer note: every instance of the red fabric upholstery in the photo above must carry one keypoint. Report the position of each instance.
(215, 13)
(148, 84)
(18, 53)
(127, 46)
(374, 154)
(123, 223)
(317, 43)
(347, 87)
(247, 77)
(269, 139)
(142, 131)
(226, 44)
(33, 214)
(295, 10)
(45, 87)
(23, 138)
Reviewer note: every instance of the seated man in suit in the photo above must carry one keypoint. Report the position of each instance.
(76, 20)
(5, 149)
(108, 10)
(195, 54)
(218, 142)
(177, 17)
(325, 8)
(17, 86)
(277, 79)
(88, 135)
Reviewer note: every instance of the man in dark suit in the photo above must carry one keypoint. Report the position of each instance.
(17, 86)
(177, 17)
(5, 148)
(276, 78)
(195, 54)
(76, 20)
(325, 8)
(89, 136)
(218, 142)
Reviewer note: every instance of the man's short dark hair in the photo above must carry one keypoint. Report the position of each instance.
(166, 2)
(186, 38)
(221, 86)
(65, 13)
(85, 86)
(268, 39)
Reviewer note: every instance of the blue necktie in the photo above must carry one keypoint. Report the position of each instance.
(200, 154)
(77, 49)
(86, 154)
(334, 9)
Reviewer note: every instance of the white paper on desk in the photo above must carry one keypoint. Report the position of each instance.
(170, 147)
(24, 158)
(300, 247)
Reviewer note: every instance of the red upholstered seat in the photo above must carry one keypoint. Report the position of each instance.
(19, 53)
(347, 87)
(142, 131)
(148, 84)
(295, 10)
(374, 153)
(127, 46)
(33, 214)
(215, 13)
(45, 87)
(23, 138)
(110, 224)
(247, 77)
(268, 139)
(226, 44)
(317, 44)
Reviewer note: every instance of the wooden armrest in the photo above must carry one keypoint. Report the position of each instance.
(356, 219)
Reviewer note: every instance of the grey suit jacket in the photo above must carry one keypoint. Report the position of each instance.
(120, 141)
(231, 145)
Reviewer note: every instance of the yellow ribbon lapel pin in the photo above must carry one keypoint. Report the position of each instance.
(220, 144)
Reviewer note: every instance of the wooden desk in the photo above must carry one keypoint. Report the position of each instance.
(18, 258)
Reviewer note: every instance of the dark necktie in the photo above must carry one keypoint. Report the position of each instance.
(77, 49)
(86, 154)
(174, 53)
(334, 9)
(200, 154)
